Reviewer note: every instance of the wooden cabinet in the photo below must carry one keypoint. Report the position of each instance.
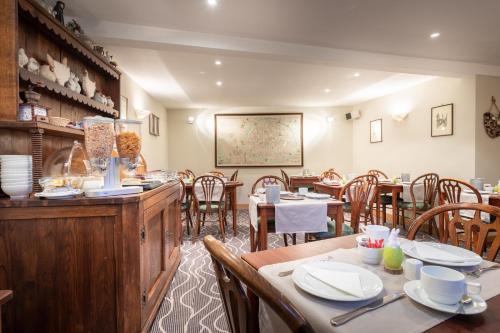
(88, 265)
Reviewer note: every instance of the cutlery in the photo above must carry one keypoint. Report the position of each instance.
(290, 272)
(342, 319)
(477, 273)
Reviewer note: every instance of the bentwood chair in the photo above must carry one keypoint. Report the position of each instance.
(262, 182)
(285, 177)
(190, 173)
(474, 232)
(182, 175)
(217, 173)
(331, 175)
(450, 191)
(384, 199)
(229, 200)
(208, 195)
(234, 176)
(186, 207)
(429, 181)
(240, 304)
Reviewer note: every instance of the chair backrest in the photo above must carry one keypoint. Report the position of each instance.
(183, 190)
(234, 176)
(377, 173)
(182, 175)
(242, 308)
(475, 231)
(216, 173)
(190, 173)
(285, 177)
(208, 189)
(361, 193)
(330, 174)
(450, 191)
(430, 182)
(269, 180)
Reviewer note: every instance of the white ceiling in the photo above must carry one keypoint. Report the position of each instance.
(285, 52)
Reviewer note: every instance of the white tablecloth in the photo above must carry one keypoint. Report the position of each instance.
(401, 316)
(418, 191)
(471, 197)
(306, 215)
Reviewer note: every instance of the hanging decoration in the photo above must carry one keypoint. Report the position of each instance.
(491, 120)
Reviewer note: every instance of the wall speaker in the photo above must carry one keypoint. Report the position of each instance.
(353, 115)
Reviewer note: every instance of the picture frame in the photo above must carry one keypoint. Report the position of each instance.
(250, 140)
(154, 125)
(442, 120)
(376, 131)
(123, 107)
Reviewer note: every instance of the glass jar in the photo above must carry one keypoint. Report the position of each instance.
(99, 141)
(128, 142)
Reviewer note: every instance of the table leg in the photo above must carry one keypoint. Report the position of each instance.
(252, 239)
(339, 221)
(377, 210)
(262, 232)
(395, 217)
(234, 209)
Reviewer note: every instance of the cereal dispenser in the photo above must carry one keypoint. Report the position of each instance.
(99, 142)
(128, 143)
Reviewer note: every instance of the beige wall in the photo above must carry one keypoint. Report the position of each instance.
(487, 149)
(154, 148)
(325, 144)
(408, 146)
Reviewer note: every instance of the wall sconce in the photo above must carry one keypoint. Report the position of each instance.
(190, 120)
(330, 119)
(142, 113)
(400, 116)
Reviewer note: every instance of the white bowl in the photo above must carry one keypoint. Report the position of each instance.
(17, 191)
(371, 256)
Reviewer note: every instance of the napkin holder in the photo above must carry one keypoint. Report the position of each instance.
(273, 194)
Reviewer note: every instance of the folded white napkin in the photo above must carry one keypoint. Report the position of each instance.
(346, 282)
(433, 253)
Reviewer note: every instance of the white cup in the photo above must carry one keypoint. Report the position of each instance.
(371, 256)
(376, 232)
(303, 190)
(445, 285)
(412, 269)
(488, 188)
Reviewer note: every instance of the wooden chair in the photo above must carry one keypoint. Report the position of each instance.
(5, 296)
(475, 232)
(262, 182)
(377, 173)
(186, 206)
(330, 174)
(240, 305)
(385, 199)
(190, 173)
(430, 183)
(217, 173)
(211, 201)
(234, 176)
(285, 177)
(361, 193)
(450, 191)
(182, 175)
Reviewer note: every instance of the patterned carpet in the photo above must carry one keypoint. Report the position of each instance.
(192, 304)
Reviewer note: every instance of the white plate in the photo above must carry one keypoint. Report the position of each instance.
(58, 195)
(312, 195)
(414, 290)
(472, 258)
(371, 283)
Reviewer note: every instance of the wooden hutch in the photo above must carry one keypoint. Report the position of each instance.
(78, 265)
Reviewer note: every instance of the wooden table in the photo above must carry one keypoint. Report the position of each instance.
(302, 181)
(335, 210)
(390, 188)
(231, 189)
(488, 321)
(5, 296)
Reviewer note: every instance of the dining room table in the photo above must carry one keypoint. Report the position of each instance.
(267, 211)
(297, 181)
(404, 315)
(231, 192)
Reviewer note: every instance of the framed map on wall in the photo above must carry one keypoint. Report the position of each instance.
(259, 140)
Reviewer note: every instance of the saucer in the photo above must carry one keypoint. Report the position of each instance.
(414, 290)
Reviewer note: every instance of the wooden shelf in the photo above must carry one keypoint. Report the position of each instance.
(38, 13)
(47, 128)
(56, 88)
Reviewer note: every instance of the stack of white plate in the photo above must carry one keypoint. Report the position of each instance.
(15, 176)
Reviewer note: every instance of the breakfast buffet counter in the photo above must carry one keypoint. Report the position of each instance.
(89, 264)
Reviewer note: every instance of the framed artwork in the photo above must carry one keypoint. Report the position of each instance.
(123, 107)
(259, 140)
(376, 131)
(442, 120)
(154, 125)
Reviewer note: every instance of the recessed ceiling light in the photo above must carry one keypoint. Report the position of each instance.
(218, 62)
(435, 35)
(356, 74)
(202, 73)
(327, 90)
(218, 83)
(212, 3)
